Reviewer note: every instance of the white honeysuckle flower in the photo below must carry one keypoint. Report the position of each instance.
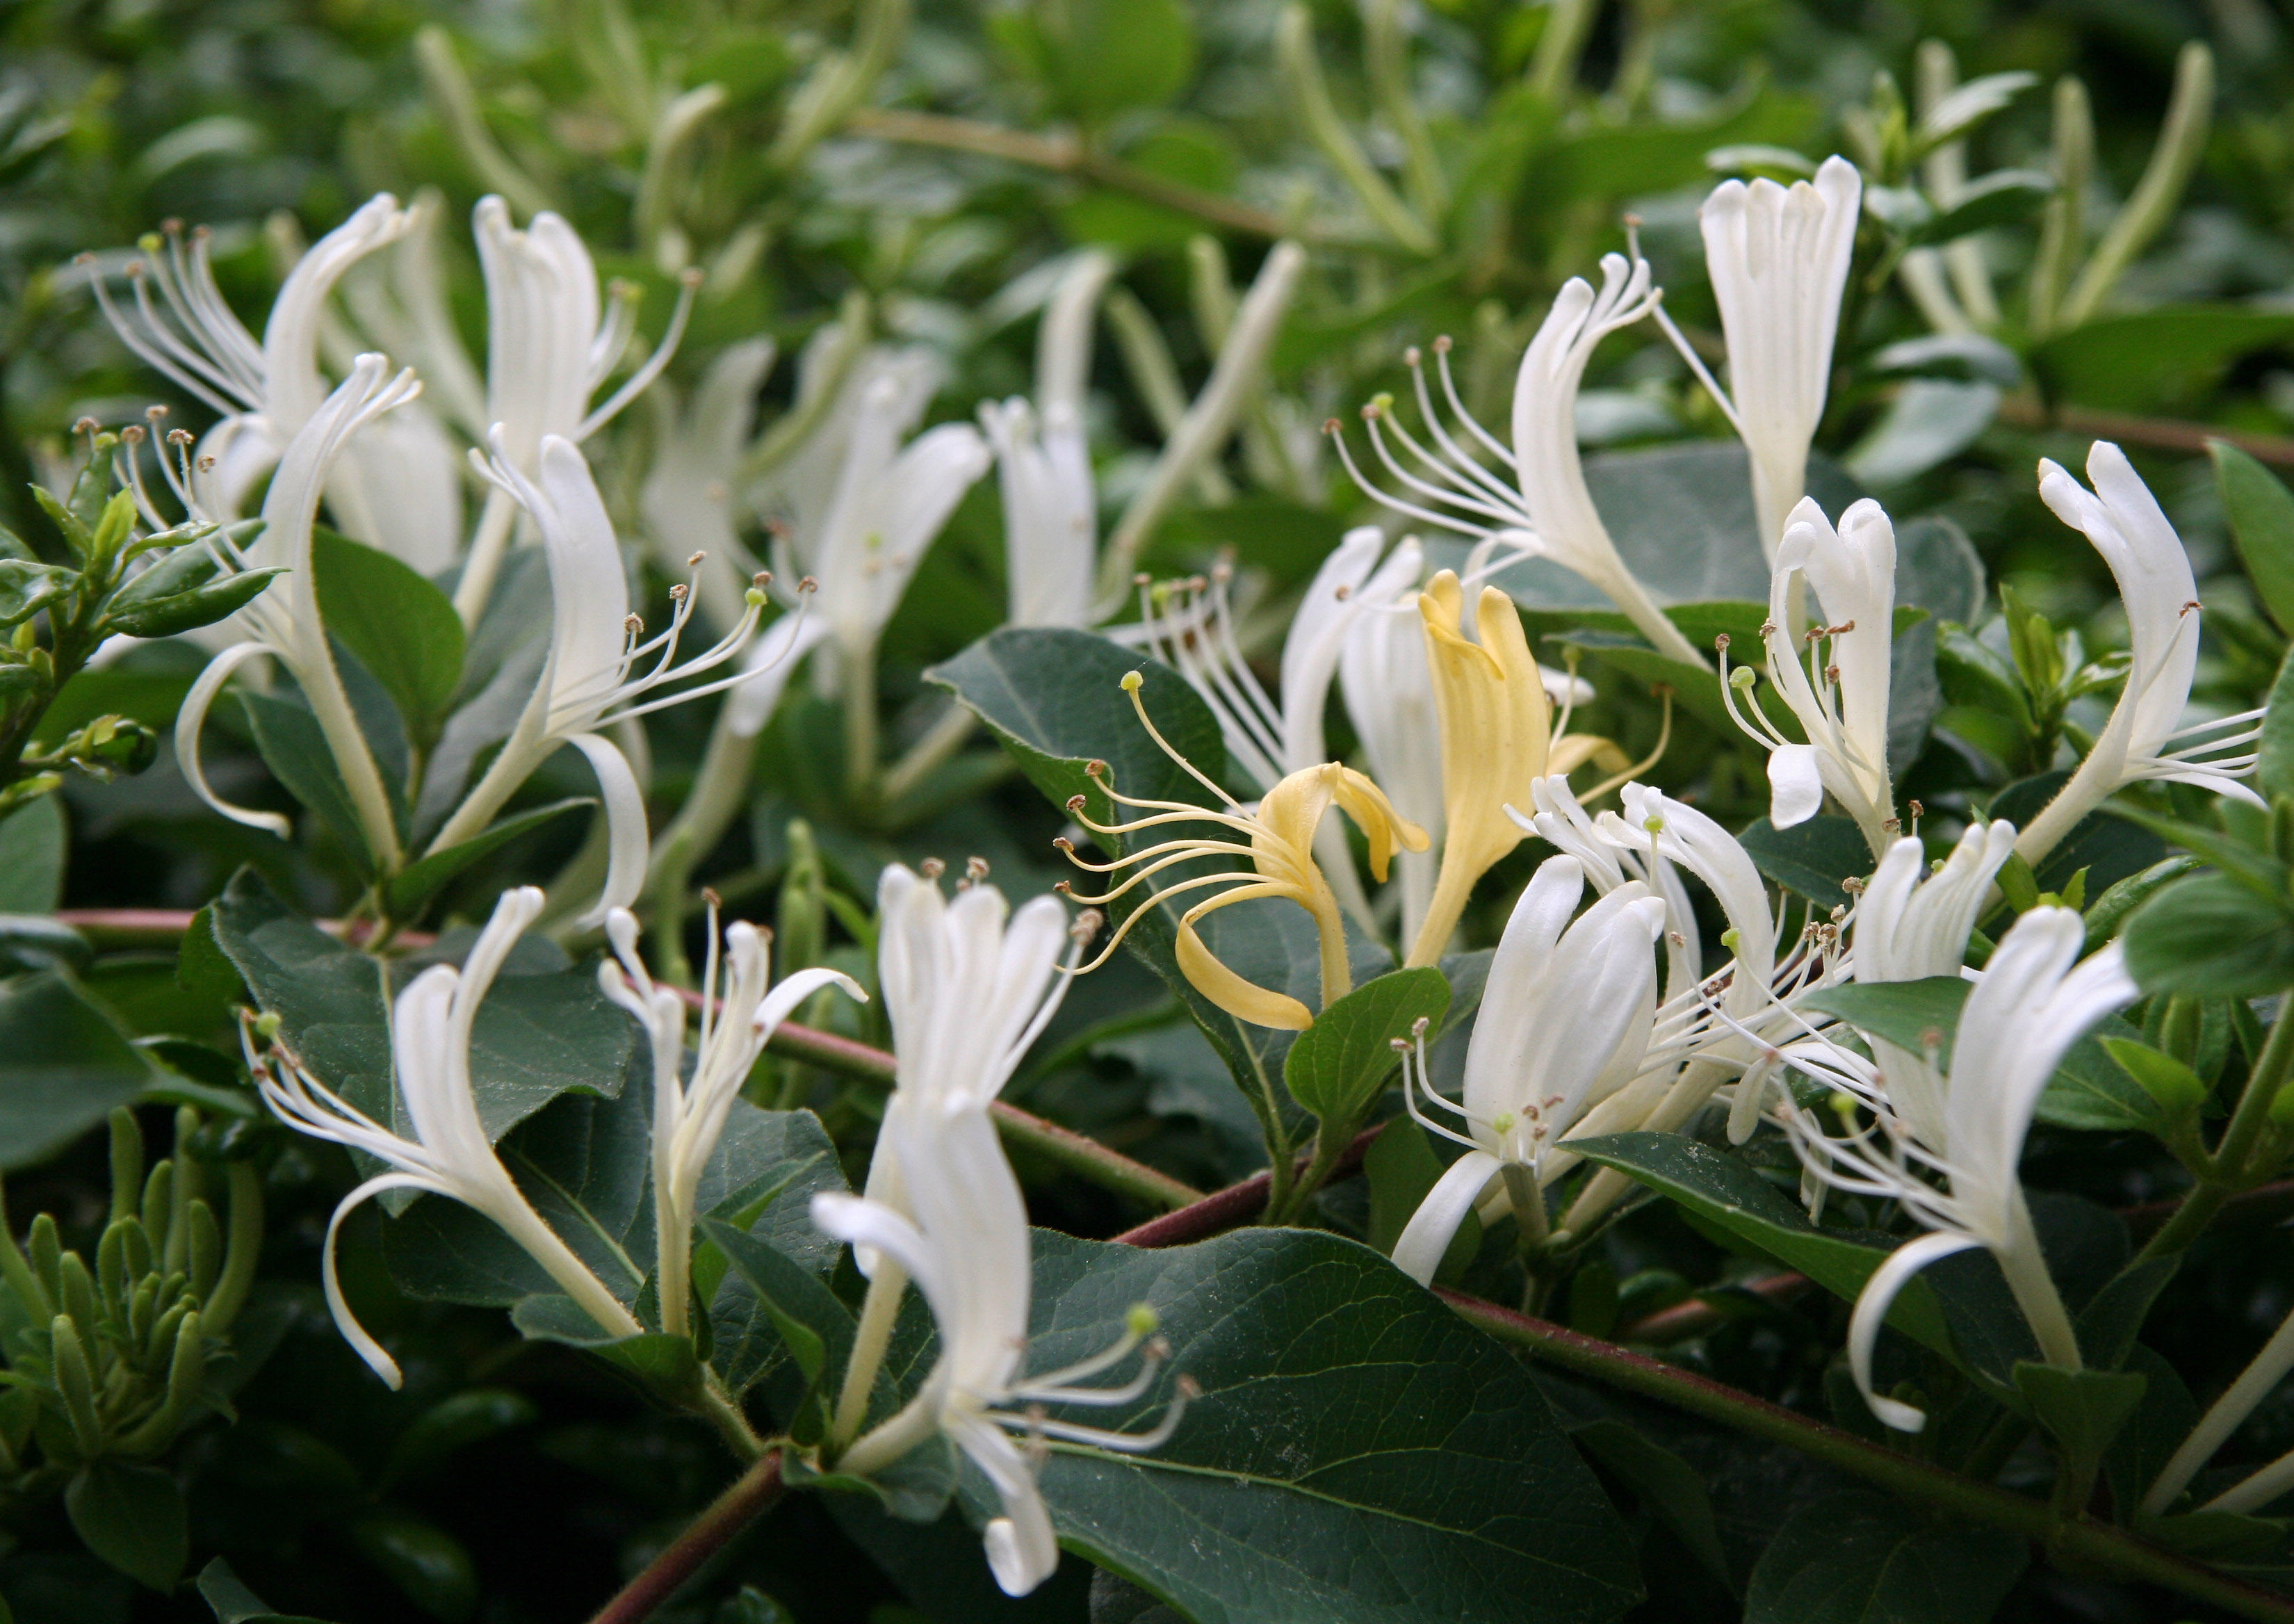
(1834, 677)
(963, 1238)
(1388, 685)
(1777, 257)
(1050, 508)
(2144, 738)
(284, 623)
(1565, 1023)
(399, 488)
(591, 678)
(2034, 1000)
(691, 498)
(398, 298)
(887, 507)
(266, 392)
(1912, 923)
(450, 1155)
(740, 1009)
(1051, 511)
(1546, 511)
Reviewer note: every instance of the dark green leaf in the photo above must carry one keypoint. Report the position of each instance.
(2083, 1410)
(430, 1566)
(2108, 911)
(1337, 1065)
(812, 1322)
(664, 1363)
(2109, 848)
(37, 941)
(1107, 56)
(1725, 1192)
(2114, 1317)
(1811, 858)
(402, 629)
(2274, 767)
(2261, 513)
(66, 1065)
(2173, 1087)
(295, 747)
(1667, 1486)
(2002, 198)
(411, 889)
(1401, 1168)
(2154, 358)
(1858, 1557)
(2151, 1437)
(133, 1517)
(1343, 1410)
(26, 589)
(32, 857)
(2210, 935)
(455, 1423)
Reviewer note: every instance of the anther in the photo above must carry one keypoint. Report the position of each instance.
(694, 562)
(975, 867)
(931, 868)
(710, 898)
(633, 625)
(809, 585)
(762, 579)
(1442, 345)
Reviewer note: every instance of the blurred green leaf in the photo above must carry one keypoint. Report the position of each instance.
(2261, 513)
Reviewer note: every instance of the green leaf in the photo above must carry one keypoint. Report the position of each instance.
(411, 889)
(1724, 1191)
(133, 1517)
(662, 1364)
(2261, 513)
(431, 1568)
(1667, 1486)
(811, 1320)
(1860, 1557)
(2274, 767)
(2114, 1317)
(1107, 56)
(454, 1424)
(63, 1066)
(2210, 935)
(2083, 1410)
(2110, 848)
(1337, 1065)
(1813, 858)
(2176, 1089)
(1437, 1453)
(543, 1030)
(26, 589)
(187, 611)
(2154, 358)
(2004, 197)
(2153, 1434)
(32, 857)
(295, 747)
(402, 629)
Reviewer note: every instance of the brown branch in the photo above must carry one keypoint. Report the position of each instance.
(1064, 154)
(752, 1494)
(2160, 433)
(1237, 1204)
(2074, 1542)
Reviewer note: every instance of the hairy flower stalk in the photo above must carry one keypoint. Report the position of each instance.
(1547, 512)
(450, 1154)
(2033, 1004)
(2143, 741)
(740, 1009)
(1277, 840)
(961, 1235)
(592, 678)
(1778, 260)
(1497, 741)
(285, 624)
(1834, 677)
(1565, 1023)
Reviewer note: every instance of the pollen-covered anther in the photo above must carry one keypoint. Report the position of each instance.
(975, 867)
(810, 583)
(680, 591)
(931, 868)
(1442, 343)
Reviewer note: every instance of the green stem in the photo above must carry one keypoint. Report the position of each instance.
(753, 1493)
(943, 739)
(856, 677)
(2229, 1172)
(2093, 1544)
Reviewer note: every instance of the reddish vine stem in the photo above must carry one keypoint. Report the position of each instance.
(751, 1494)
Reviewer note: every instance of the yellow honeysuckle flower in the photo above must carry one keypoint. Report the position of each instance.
(1279, 840)
(1497, 740)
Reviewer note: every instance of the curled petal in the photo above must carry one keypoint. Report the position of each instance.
(354, 1333)
(1872, 1305)
(1795, 785)
(625, 824)
(191, 721)
(1426, 1238)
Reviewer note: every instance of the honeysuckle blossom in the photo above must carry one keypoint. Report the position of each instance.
(1278, 840)
(265, 392)
(1911, 923)
(1565, 1022)
(692, 499)
(963, 1237)
(1777, 257)
(591, 679)
(551, 342)
(284, 623)
(450, 1154)
(1547, 512)
(2034, 1001)
(1388, 685)
(1833, 676)
(1050, 508)
(740, 1009)
(2143, 739)
(1497, 741)
(889, 503)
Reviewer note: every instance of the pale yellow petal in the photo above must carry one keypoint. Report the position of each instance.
(1245, 1000)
